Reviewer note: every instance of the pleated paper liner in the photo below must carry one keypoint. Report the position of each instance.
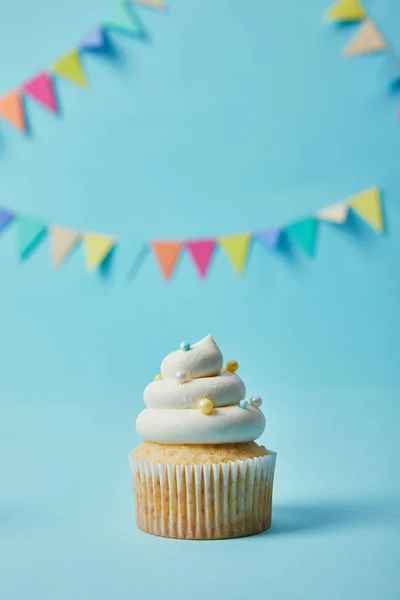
(204, 502)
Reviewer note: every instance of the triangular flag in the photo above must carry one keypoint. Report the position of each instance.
(269, 236)
(97, 248)
(346, 10)
(29, 233)
(5, 218)
(201, 252)
(303, 233)
(124, 19)
(41, 89)
(367, 40)
(337, 213)
(159, 4)
(11, 109)
(368, 206)
(69, 67)
(167, 254)
(62, 241)
(235, 248)
(94, 40)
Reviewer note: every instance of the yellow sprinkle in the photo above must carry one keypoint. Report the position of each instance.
(232, 366)
(158, 377)
(206, 406)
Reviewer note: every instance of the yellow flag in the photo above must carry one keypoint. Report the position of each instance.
(368, 206)
(69, 66)
(235, 248)
(368, 39)
(346, 10)
(97, 247)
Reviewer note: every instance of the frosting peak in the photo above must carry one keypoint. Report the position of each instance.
(203, 359)
(196, 401)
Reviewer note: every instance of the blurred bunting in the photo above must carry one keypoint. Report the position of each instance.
(69, 67)
(40, 88)
(346, 10)
(368, 206)
(12, 110)
(201, 252)
(303, 233)
(94, 40)
(158, 4)
(167, 254)
(236, 248)
(367, 40)
(62, 242)
(97, 248)
(124, 19)
(337, 213)
(29, 233)
(6, 217)
(269, 236)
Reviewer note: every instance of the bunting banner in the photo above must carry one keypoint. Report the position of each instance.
(40, 87)
(97, 247)
(346, 10)
(367, 40)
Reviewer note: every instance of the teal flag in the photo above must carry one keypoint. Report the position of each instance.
(29, 233)
(303, 233)
(123, 17)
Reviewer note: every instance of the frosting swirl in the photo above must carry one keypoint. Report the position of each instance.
(173, 416)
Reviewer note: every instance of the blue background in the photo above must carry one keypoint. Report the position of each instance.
(232, 117)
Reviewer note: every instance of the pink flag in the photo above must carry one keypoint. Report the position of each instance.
(41, 89)
(201, 252)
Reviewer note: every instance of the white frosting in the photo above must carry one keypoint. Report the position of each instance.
(204, 359)
(230, 424)
(172, 415)
(223, 390)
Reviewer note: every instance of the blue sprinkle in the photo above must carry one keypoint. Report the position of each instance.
(185, 346)
(243, 403)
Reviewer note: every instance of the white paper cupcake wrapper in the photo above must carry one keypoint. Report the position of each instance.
(207, 501)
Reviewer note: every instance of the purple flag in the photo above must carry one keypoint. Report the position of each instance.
(270, 236)
(5, 218)
(94, 40)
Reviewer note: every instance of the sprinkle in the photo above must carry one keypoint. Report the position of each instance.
(185, 346)
(158, 377)
(206, 406)
(243, 403)
(232, 366)
(181, 376)
(256, 401)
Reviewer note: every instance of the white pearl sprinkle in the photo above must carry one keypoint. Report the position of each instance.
(181, 376)
(256, 401)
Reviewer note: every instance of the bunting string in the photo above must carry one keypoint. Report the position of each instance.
(367, 40)
(40, 87)
(301, 233)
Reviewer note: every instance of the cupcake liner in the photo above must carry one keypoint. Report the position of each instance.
(209, 501)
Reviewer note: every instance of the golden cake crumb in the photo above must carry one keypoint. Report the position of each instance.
(197, 454)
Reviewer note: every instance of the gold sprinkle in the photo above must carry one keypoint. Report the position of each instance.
(232, 366)
(206, 406)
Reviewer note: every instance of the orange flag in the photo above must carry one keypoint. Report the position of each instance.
(12, 110)
(167, 254)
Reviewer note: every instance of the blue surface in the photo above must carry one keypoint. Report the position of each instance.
(233, 117)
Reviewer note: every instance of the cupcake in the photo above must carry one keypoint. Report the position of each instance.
(199, 473)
